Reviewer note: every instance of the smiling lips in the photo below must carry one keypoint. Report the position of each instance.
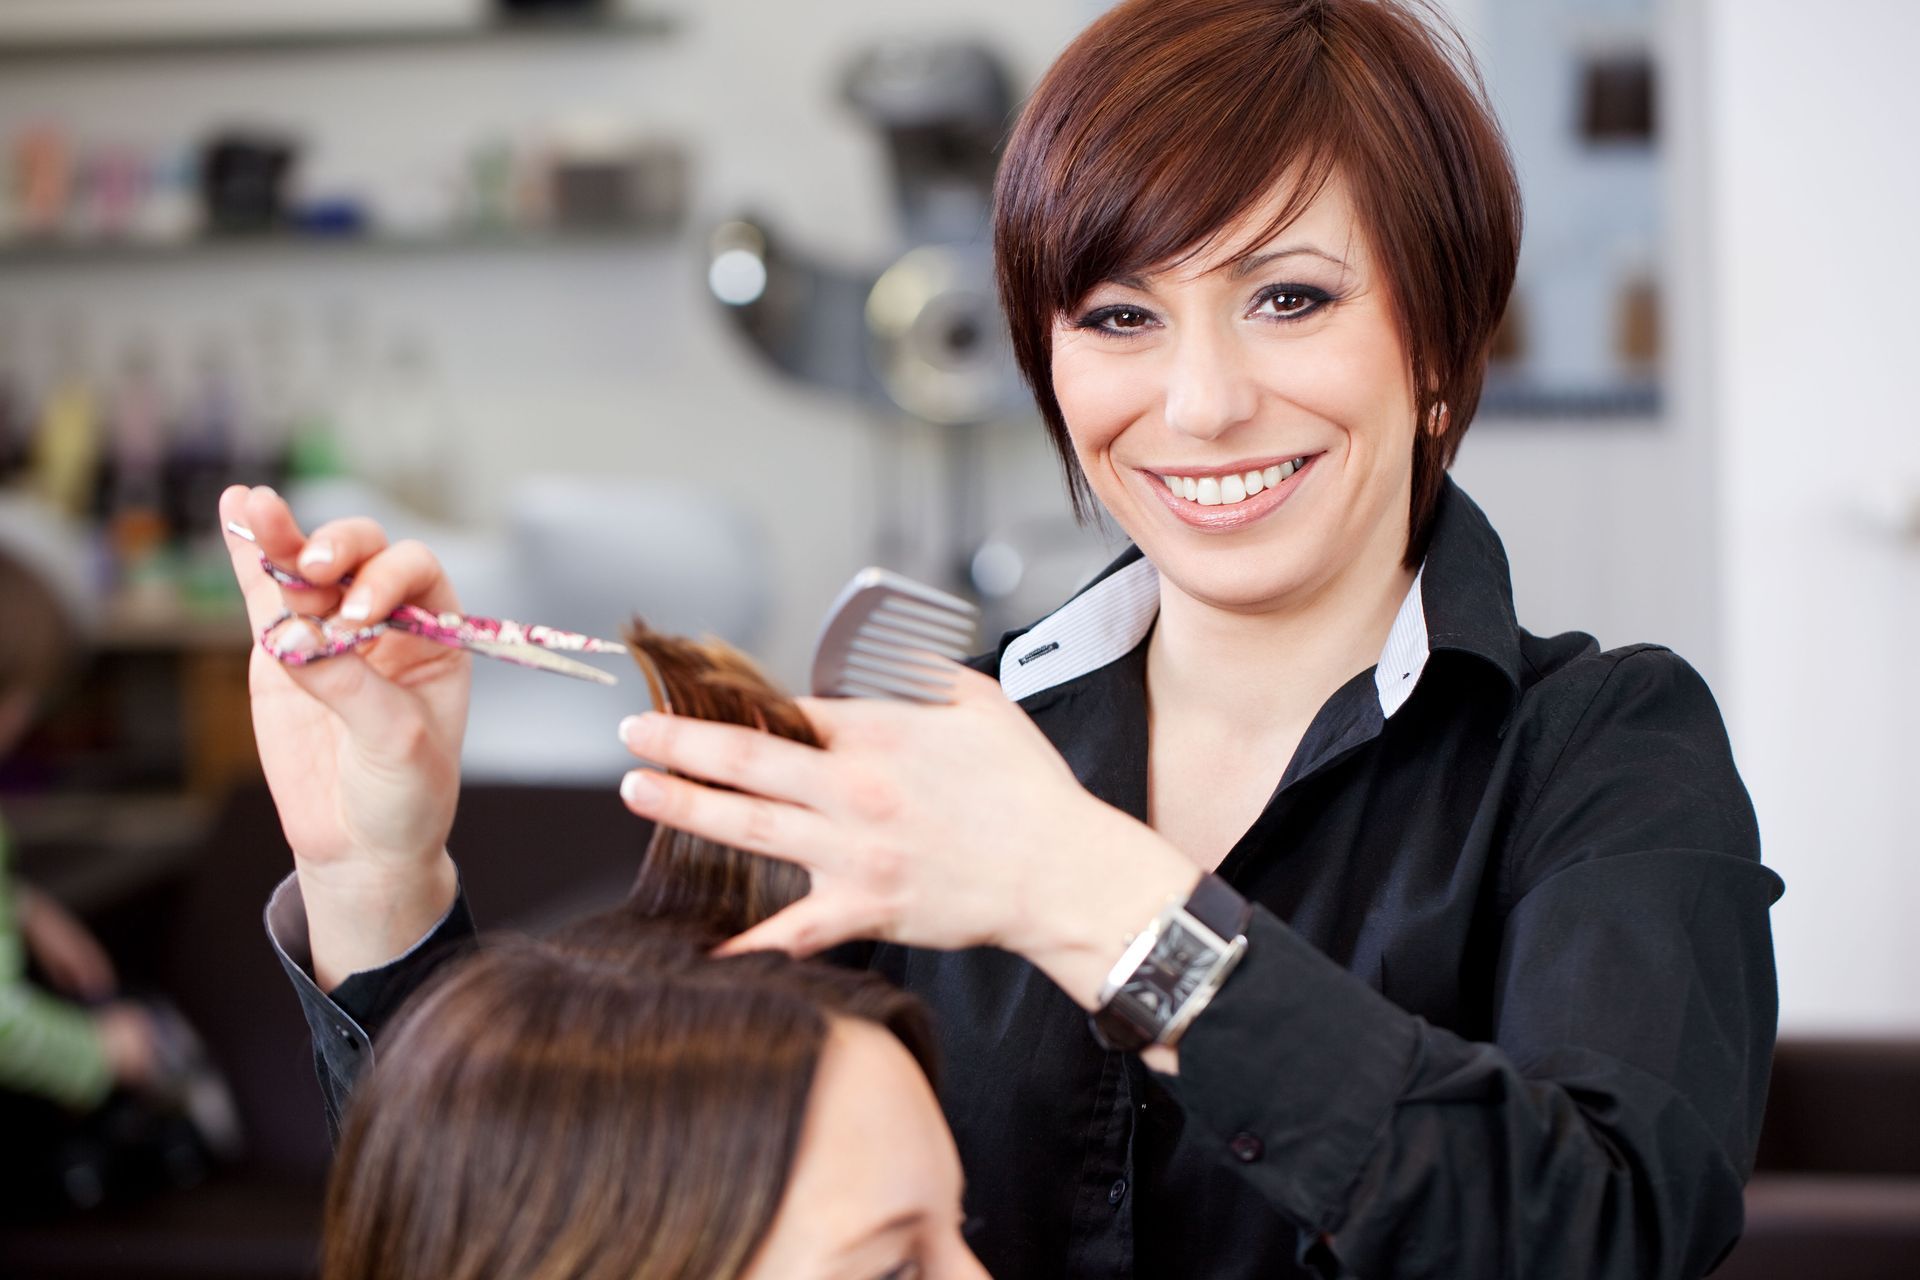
(1233, 499)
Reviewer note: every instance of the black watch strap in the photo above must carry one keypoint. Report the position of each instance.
(1219, 906)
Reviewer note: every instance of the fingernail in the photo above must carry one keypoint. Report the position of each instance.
(640, 788)
(266, 489)
(317, 552)
(356, 607)
(297, 636)
(629, 729)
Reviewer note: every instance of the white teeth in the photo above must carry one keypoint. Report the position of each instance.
(1220, 491)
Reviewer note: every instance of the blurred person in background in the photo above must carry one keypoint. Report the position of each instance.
(60, 1058)
(1412, 943)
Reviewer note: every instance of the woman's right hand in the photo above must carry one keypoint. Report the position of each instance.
(361, 751)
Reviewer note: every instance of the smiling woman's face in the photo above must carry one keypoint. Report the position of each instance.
(1216, 377)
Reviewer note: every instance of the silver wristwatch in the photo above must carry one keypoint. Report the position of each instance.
(1172, 968)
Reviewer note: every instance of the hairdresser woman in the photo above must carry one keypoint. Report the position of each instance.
(1287, 908)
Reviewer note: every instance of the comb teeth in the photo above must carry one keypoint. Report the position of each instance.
(866, 650)
(868, 685)
(951, 632)
(891, 637)
(881, 634)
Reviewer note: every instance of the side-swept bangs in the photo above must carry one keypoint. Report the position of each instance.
(1168, 120)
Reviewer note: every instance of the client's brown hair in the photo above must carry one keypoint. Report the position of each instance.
(683, 876)
(613, 1101)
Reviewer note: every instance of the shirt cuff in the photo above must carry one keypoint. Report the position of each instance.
(1296, 1067)
(345, 1020)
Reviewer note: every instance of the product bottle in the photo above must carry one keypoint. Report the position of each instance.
(65, 464)
(137, 527)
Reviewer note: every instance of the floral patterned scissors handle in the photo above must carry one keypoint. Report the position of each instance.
(526, 644)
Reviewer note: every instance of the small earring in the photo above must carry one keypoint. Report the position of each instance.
(1437, 417)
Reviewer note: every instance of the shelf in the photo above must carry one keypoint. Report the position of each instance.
(16, 48)
(67, 253)
(1624, 403)
(91, 850)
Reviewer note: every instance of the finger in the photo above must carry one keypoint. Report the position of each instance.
(404, 573)
(338, 548)
(262, 594)
(771, 827)
(370, 706)
(807, 927)
(379, 714)
(277, 536)
(749, 759)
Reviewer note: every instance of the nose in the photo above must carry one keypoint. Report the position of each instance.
(1210, 389)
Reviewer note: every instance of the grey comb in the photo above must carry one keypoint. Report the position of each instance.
(884, 637)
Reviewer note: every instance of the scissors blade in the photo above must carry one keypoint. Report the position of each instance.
(527, 655)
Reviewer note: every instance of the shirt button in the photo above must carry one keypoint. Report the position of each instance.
(1246, 1148)
(1117, 1192)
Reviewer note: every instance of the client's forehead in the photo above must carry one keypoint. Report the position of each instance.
(874, 1150)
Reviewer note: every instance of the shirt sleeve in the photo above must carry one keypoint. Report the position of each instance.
(1608, 1127)
(48, 1047)
(345, 1021)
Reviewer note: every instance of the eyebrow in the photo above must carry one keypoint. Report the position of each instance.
(899, 1222)
(1243, 267)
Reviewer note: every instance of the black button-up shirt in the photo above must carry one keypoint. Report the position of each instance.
(1507, 1006)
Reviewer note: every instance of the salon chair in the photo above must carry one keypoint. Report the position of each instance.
(529, 857)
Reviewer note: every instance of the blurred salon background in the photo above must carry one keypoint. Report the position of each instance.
(683, 308)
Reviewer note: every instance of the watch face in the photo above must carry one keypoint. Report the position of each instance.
(1172, 971)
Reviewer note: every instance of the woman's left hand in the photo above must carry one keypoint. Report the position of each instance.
(934, 826)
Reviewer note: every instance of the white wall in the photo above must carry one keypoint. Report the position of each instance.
(1815, 268)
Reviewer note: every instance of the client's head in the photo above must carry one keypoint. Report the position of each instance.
(613, 1101)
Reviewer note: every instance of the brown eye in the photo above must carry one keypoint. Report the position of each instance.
(1127, 318)
(1290, 302)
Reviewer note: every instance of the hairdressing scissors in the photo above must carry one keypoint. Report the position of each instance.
(525, 644)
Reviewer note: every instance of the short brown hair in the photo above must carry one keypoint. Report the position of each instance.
(612, 1103)
(1167, 120)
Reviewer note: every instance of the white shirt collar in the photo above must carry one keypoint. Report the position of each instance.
(1103, 624)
